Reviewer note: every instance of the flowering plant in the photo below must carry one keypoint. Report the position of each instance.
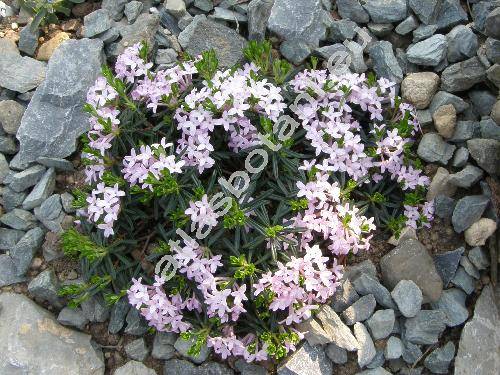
(255, 185)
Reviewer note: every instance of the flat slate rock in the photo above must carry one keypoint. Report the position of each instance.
(480, 339)
(447, 264)
(54, 118)
(34, 343)
(18, 73)
(411, 261)
(203, 34)
(300, 21)
(307, 360)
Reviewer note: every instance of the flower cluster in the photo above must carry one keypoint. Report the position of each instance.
(165, 145)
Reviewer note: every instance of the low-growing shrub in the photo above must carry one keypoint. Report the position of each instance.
(46, 11)
(251, 184)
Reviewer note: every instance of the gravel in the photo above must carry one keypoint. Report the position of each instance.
(408, 298)
(360, 310)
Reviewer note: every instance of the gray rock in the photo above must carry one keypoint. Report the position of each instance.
(306, 360)
(382, 11)
(96, 23)
(462, 43)
(11, 113)
(45, 287)
(424, 117)
(179, 366)
(28, 40)
(367, 267)
(357, 59)
(118, 314)
(394, 348)
(407, 26)
(365, 284)
(480, 11)
(479, 258)
(135, 368)
(483, 101)
(384, 62)
(336, 331)
(293, 21)
(109, 36)
(491, 24)
(258, 15)
(12, 199)
(295, 51)
(137, 350)
(428, 52)
(460, 158)
(439, 359)
(143, 29)
(467, 177)
(72, 317)
(468, 210)
(19, 219)
(442, 98)
(423, 32)
(213, 368)
(366, 350)
(380, 29)
(426, 10)
(326, 51)
(166, 56)
(95, 309)
(344, 296)
(352, 9)
(464, 130)
(56, 163)
(4, 168)
(177, 8)
(463, 280)
(246, 368)
(463, 75)
(337, 354)
(360, 310)
(411, 261)
(476, 353)
(183, 346)
(381, 323)
(444, 206)
(51, 207)
(24, 250)
(17, 73)
(426, 327)
(433, 149)
(378, 360)
(132, 10)
(115, 8)
(486, 153)
(408, 297)
(7, 145)
(492, 50)
(136, 325)
(489, 129)
(223, 14)
(67, 203)
(204, 5)
(375, 371)
(54, 119)
(5, 10)
(27, 178)
(341, 30)
(42, 190)
(59, 350)
(450, 14)
(452, 304)
(203, 34)
(8, 272)
(447, 264)
(163, 345)
(411, 352)
(469, 267)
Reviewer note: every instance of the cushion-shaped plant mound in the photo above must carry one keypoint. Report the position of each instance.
(248, 190)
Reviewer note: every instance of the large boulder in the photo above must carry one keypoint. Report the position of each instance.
(54, 118)
(34, 343)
